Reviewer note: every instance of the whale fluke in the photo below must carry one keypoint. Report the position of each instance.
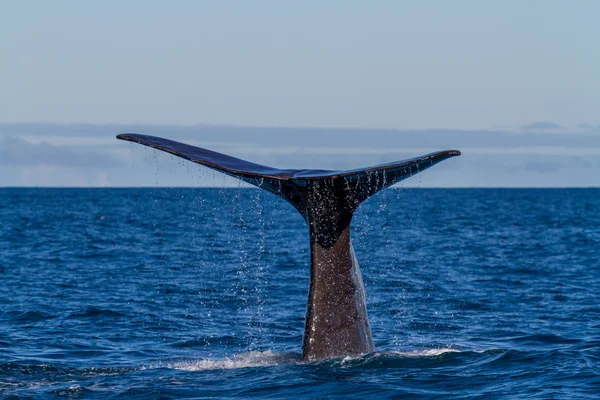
(336, 319)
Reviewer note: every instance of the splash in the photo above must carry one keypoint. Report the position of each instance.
(242, 360)
(424, 353)
(268, 358)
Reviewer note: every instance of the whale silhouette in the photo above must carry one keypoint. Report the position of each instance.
(336, 317)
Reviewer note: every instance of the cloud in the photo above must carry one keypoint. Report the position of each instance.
(541, 126)
(53, 176)
(16, 151)
(542, 166)
(589, 127)
(52, 155)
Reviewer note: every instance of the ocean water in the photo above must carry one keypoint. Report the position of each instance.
(174, 293)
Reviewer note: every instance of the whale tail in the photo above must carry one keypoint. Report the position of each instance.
(336, 320)
(349, 186)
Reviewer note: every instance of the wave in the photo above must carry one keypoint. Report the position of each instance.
(92, 311)
(18, 368)
(28, 316)
(269, 358)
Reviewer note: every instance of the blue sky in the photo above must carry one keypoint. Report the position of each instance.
(491, 68)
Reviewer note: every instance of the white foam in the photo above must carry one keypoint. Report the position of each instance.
(424, 353)
(268, 358)
(242, 360)
(403, 354)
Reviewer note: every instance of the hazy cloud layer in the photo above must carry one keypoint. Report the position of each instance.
(16, 151)
(90, 155)
(541, 126)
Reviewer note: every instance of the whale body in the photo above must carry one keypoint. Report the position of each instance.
(336, 317)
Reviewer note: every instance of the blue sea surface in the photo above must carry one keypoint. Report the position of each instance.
(199, 293)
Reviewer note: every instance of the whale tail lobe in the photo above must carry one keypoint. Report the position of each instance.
(336, 320)
(350, 187)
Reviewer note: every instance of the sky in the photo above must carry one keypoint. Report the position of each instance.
(335, 84)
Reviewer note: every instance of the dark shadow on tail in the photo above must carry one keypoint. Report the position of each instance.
(336, 318)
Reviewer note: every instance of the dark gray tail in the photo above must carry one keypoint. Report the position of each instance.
(336, 320)
(350, 187)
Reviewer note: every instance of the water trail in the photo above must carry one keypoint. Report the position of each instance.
(131, 155)
(260, 276)
(242, 291)
(156, 169)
